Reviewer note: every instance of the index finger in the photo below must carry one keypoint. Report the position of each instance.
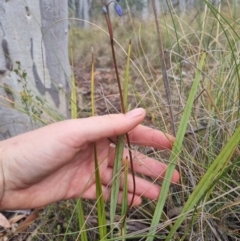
(146, 136)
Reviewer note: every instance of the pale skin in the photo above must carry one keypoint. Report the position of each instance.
(56, 162)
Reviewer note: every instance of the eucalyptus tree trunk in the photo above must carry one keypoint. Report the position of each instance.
(83, 11)
(33, 67)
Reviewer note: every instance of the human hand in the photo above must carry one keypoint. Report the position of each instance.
(56, 162)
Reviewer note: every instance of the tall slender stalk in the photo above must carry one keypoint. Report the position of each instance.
(110, 30)
(164, 69)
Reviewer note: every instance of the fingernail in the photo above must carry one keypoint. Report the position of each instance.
(135, 113)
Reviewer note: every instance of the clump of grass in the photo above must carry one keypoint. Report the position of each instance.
(205, 102)
(208, 158)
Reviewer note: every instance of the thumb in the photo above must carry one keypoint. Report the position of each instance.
(95, 128)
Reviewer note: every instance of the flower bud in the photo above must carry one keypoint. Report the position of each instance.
(104, 10)
(119, 10)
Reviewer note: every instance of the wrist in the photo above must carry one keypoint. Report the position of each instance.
(2, 176)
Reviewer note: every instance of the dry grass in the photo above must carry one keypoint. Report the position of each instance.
(214, 118)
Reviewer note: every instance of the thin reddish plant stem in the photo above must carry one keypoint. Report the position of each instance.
(123, 111)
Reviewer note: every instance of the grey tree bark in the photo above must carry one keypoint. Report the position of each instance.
(45, 60)
(83, 11)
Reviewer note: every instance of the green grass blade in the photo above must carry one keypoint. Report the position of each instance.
(102, 222)
(81, 220)
(116, 179)
(216, 169)
(93, 86)
(126, 78)
(73, 93)
(125, 197)
(125, 103)
(175, 152)
(80, 211)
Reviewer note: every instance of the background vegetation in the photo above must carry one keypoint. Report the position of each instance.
(214, 215)
(201, 51)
